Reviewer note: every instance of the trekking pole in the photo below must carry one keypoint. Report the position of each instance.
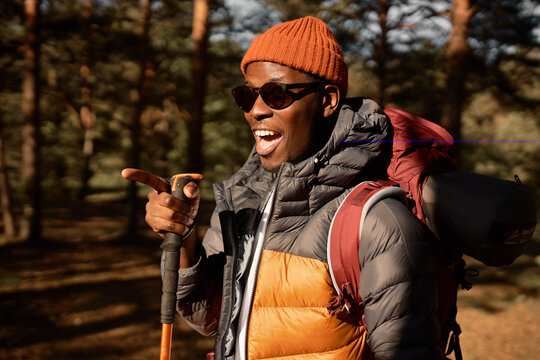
(171, 247)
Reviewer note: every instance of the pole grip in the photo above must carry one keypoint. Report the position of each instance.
(171, 250)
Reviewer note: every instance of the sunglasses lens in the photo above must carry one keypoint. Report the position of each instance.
(245, 97)
(275, 95)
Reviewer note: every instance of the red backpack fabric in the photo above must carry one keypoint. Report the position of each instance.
(419, 147)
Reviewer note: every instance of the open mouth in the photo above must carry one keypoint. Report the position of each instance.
(266, 140)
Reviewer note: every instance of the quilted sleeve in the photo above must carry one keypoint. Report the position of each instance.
(200, 287)
(398, 285)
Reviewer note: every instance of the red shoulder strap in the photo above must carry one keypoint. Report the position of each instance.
(344, 242)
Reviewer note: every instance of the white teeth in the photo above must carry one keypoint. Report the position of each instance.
(263, 133)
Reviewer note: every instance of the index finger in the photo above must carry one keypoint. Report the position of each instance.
(145, 178)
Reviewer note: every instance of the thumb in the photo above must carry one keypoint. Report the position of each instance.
(192, 190)
(193, 194)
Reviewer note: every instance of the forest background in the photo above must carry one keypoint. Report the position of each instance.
(90, 87)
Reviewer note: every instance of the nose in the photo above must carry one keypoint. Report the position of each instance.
(260, 110)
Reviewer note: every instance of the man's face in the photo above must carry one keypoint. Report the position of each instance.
(281, 135)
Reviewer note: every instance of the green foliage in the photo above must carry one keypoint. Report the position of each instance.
(293, 9)
(503, 85)
(505, 138)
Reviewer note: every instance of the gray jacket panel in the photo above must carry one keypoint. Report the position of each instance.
(199, 287)
(398, 284)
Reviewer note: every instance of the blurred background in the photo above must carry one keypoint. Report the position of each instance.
(88, 87)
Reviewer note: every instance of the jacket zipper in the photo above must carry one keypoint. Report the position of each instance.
(229, 207)
(257, 257)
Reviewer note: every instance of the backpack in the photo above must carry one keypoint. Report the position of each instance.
(421, 172)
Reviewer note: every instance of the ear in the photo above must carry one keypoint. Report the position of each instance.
(331, 100)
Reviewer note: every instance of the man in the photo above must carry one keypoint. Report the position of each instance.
(259, 281)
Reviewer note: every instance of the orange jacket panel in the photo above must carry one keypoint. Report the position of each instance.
(289, 318)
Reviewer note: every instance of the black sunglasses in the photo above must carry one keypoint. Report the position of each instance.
(275, 94)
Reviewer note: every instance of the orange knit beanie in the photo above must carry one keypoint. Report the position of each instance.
(305, 44)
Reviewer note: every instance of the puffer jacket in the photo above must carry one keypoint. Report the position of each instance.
(288, 316)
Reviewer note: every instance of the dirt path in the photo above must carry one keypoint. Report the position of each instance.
(500, 315)
(84, 294)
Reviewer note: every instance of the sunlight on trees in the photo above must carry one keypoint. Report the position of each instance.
(90, 62)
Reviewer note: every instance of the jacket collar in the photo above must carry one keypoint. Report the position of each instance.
(354, 145)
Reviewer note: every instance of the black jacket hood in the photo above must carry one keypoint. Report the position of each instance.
(354, 152)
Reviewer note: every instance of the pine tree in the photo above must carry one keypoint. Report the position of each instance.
(201, 30)
(31, 222)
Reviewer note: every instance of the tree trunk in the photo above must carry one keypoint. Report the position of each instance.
(143, 87)
(201, 29)
(456, 54)
(30, 229)
(381, 50)
(87, 115)
(5, 195)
